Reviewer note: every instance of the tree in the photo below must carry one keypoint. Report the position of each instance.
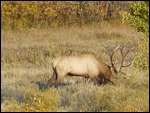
(138, 18)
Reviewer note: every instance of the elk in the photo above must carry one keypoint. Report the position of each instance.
(84, 65)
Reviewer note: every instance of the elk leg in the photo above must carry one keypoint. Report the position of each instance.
(59, 78)
(100, 80)
(95, 80)
(54, 76)
(50, 80)
(58, 81)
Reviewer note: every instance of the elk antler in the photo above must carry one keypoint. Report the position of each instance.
(123, 55)
(111, 53)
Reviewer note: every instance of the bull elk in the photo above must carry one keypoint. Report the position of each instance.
(85, 65)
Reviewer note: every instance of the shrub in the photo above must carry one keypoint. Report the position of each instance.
(138, 18)
(34, 101)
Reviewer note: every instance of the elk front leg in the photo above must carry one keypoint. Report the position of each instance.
(101, 80)
(95, 80)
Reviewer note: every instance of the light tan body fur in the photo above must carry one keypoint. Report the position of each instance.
(85, 65)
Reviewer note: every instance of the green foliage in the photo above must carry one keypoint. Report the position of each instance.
(24, 14)
(138, 18)
(34, 101)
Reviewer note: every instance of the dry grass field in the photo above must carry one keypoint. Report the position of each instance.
(26, 58)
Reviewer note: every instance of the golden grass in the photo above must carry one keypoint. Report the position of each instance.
(26, 64)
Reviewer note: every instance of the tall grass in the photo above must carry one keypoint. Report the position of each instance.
(26, 65)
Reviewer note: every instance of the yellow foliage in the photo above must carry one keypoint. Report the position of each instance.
(34, 101)
(20, 15)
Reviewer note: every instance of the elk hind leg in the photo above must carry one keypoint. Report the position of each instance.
(58, 81)
(60, 75)
(54, 77)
